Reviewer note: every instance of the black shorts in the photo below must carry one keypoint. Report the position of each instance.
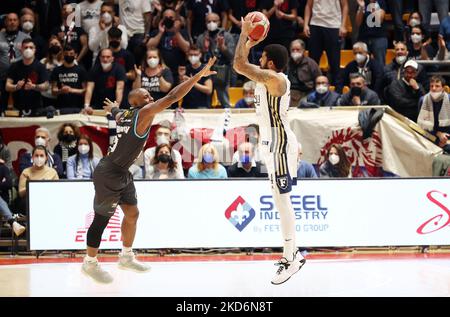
(113, 186)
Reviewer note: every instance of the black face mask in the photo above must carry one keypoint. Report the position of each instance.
(69, 137)
(164, 158)
(168, 23)
(356, 91)
(69, 59)
(54, 49)
(114, 44)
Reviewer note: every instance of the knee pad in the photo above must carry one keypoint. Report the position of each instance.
(94, 234)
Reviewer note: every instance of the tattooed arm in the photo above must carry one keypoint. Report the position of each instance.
(274, 82)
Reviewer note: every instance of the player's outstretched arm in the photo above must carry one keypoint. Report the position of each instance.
(241, 64)
(181, 90)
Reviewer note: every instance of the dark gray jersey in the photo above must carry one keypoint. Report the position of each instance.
(127, 144)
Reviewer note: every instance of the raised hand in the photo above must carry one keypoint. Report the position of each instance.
(138, 70)
(109, 105)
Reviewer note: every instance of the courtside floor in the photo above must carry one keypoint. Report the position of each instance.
(234, 276)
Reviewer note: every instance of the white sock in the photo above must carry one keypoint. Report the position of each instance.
(126, 250)
(90, 259)
(287, 219)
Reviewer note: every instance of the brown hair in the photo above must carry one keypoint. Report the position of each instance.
(155, 160)
(344, 165)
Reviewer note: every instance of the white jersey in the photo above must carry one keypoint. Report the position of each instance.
(276, 135)
(278, 144)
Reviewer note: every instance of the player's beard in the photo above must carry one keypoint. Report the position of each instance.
(264, 66)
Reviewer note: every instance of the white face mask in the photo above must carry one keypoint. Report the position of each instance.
(321, 89)
(401, 59)
(107, 18)
(436, 95)
(40, 141)
(360, 58)
(28, 53)
(83, 148)
(162, 139)
(39, 161)
(414, 22)
(296, 56)
(194, 59)
(106, 66)
(212, 26)
(334, 159)
(153, 62)
(27, 26)
(416, 38)
(249, 100)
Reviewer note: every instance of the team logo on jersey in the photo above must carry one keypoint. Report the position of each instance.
(240, 213)
(282, 182)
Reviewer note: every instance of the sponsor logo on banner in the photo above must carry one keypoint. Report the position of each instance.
(240, 213)
(112, 231)
(438, 221)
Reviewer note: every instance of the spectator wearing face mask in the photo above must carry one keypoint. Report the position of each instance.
(305, 169)
(42, 138)
(394, 70)
(302, 71)
(364, 65)
(418, 47)
(98, 35)
(53, 59)
(124, 58)
(414, 19)
(216, 41)
(246, 166)
(171, 39)
(69, 83)
(71, 34)
(82, 164)
(403, 95)
(359, 94)
(27, 23)
(337, 163)
(163, 136)
(38, 171)
(26, 80)
(322, 96)
(207, 166)
(249, 96)
(154, 76)
(434, 112)
(199, 96)
(163, 166)
(68, 135)
(251, 136)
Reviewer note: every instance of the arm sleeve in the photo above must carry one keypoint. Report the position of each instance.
(71, 166)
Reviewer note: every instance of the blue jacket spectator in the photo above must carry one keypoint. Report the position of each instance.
(208, 166)
(82, 164)
(322, 96)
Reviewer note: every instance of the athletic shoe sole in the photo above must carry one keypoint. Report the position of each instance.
(96, 281)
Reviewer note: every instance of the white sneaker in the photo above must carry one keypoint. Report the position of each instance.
(18, 228)
(129, 262)
(94, 270)
(288, 268)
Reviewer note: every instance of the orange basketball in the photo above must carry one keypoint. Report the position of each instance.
(261, 25)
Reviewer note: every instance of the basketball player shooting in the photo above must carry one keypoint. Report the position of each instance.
(113, 182)
(278, 143)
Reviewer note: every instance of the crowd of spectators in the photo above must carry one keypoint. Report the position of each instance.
(67, 56)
